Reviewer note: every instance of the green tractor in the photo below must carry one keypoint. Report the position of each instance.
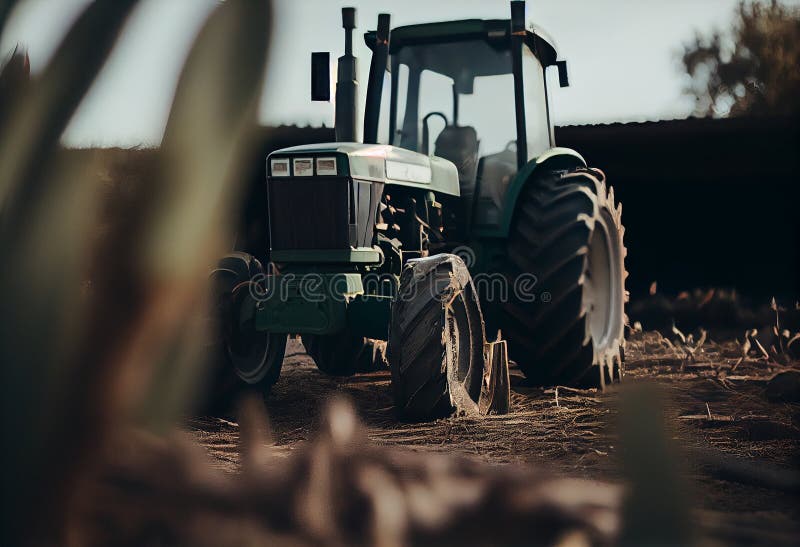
(456, 216)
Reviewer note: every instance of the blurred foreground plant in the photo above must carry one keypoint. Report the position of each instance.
(339, 489)
(77, 364)
(96, 374)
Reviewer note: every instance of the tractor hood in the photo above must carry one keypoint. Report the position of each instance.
(373, 162)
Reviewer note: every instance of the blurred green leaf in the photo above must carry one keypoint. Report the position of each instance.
(32, 132)
(93, 332)
(6, 6)
(45, 208)
(656, 510)
(206, 150)
(209, 133)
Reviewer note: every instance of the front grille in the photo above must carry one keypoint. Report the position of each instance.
(309, 213)
(321, 213)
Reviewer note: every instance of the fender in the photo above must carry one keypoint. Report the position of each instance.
(552, 159)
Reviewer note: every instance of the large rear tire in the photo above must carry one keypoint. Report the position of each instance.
(244, 359)
(436, 340)
(567, 236)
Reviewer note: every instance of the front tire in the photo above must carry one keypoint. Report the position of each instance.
(568, 235)
(244, 359)
(436, 340)
(256, 357)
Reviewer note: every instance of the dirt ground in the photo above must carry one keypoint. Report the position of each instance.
(737, 451)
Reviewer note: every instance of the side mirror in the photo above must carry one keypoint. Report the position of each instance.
(563, 77)
(321, 76)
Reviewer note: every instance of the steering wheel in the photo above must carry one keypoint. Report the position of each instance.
(425, 129)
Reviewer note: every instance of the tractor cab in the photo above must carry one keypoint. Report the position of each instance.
(472, 92)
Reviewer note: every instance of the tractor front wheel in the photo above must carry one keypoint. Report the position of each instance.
(436, 339)
(256, 356)
(243, 358)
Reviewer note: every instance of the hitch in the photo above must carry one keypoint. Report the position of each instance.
(495, 395)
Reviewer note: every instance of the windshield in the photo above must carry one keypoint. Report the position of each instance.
(456, 100)
(466, 84)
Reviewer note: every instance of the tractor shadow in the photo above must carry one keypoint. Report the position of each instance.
(298, 399)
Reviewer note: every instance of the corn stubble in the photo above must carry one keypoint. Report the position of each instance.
(101, 346)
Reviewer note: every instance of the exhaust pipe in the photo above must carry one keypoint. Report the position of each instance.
(377, 72)
(347, 84)
(517, 37)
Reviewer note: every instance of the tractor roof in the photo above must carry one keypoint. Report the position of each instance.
(490, 30)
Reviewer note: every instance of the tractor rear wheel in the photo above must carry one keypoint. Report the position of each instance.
(436, 339)
(567, 238)
(342, 354)
(244, 358)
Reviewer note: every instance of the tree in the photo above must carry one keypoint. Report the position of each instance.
(755, 70)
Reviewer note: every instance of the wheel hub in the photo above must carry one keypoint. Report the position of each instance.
(602, 290)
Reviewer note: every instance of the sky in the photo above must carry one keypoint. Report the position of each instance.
(623, 56)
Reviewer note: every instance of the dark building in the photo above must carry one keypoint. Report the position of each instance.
(706, 202)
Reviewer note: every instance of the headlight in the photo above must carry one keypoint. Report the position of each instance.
(280, 167)
(303, 167)
(326, 166)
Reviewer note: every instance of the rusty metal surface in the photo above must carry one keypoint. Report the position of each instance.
(495, 389)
